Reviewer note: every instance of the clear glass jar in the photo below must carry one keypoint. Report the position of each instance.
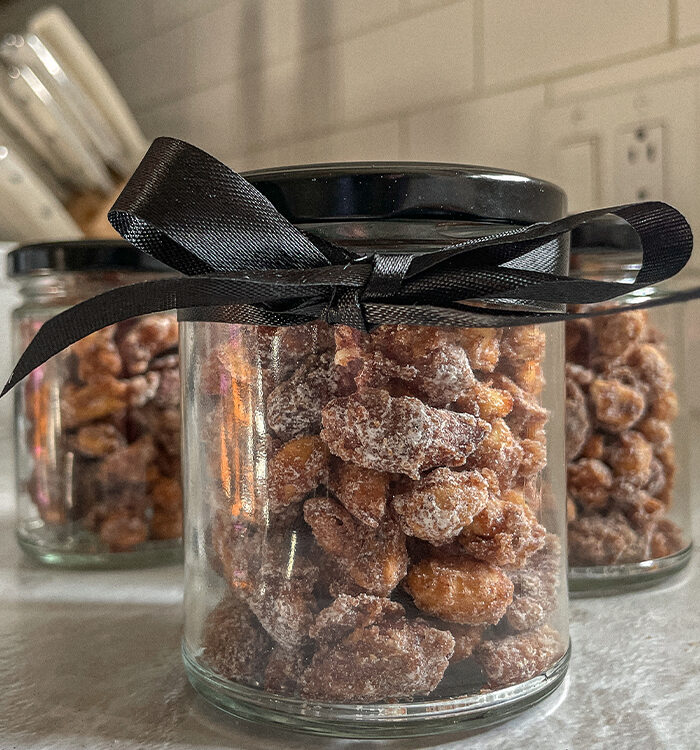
(628, 501)
(97, 427)
(375, 525)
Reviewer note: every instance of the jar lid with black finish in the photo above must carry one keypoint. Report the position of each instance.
(407, 190)
(80, 256)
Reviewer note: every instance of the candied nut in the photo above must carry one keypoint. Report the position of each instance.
(594, 447)
(296, 470)
(589, 481)
(503, 533)
(142, 388)
(121, 530)
(666, 539)
(570, 510)
(523, 344)
(352, 347)
(376, 559)
(128, 465)
(235, 646)
(534, 457)
(390, 658)
(401, 435)
(657, 478)
(582, 376)
(485, 402)
(467, 638)
(579, 341)
(168, 391)
(517, 658)
(651, 365)
(655, 430)
(294, 406)
(527, 416)
(498, 451)
(616, 406)
(460, 589)
(97, 354)
(482, 345)
(348, 613)
(439, 505)
(535, 587)
(642, 511)
(166, 494)
(98, 440)
(614, 333)
(630, 457)
(603, 540)
(664, 405)
(578, 426)
(284, 668)
(362, 491)
(146, 339)
(166, 524)
(102, 397)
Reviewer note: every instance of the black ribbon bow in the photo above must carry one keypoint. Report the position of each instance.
(243, 262)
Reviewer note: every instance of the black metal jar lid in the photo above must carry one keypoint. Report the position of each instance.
(80, 256)
(407, 190)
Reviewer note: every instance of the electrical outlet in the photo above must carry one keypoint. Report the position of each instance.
(639, 158)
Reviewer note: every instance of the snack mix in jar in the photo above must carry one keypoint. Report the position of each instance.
(375, 520)
(98, 426)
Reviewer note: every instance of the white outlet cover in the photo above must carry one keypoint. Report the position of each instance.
(600, 118)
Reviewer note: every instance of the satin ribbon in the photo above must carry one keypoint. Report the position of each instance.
(242, 262)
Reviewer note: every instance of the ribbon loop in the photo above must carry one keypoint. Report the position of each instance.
(388, 273)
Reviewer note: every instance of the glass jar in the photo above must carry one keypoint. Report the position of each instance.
(375, 523)
(627, 451)
(97, 427)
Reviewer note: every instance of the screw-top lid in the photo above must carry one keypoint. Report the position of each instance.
(407, 190)
(81, 255)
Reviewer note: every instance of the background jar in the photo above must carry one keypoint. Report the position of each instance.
(97, 427)
(627, 425)
(347, 573)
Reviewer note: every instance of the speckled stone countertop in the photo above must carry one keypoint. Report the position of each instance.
(92, 660)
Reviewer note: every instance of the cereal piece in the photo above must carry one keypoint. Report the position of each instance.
(614, 333)
(630, 457)
(535, 587)
(485, 402)
(376, 559)
(296, 470)
(122, 530)
(616, 406)
(589, 481)
(390, 658)
(235, 646)
(402, 435)
(97, 355)
(534, 458)
(439, 505)
(651, 366)
(284, 668)
(603, 540)
(146, 339)
(100, 398)
(578, 425)
(664, 405)
(579, 341)
(294, 406)
(666, 539)
(527, 416)
(503, 533)
(500, 452)
(594, 447)
(655, 430)
(362, 491)
(517, 658)
(459, 589)
(99, 439)
(128, 465)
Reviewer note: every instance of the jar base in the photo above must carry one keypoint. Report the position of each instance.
(47, 551)
(603, 580)
(373, 721)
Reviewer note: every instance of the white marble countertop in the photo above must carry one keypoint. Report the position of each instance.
(92, 660)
